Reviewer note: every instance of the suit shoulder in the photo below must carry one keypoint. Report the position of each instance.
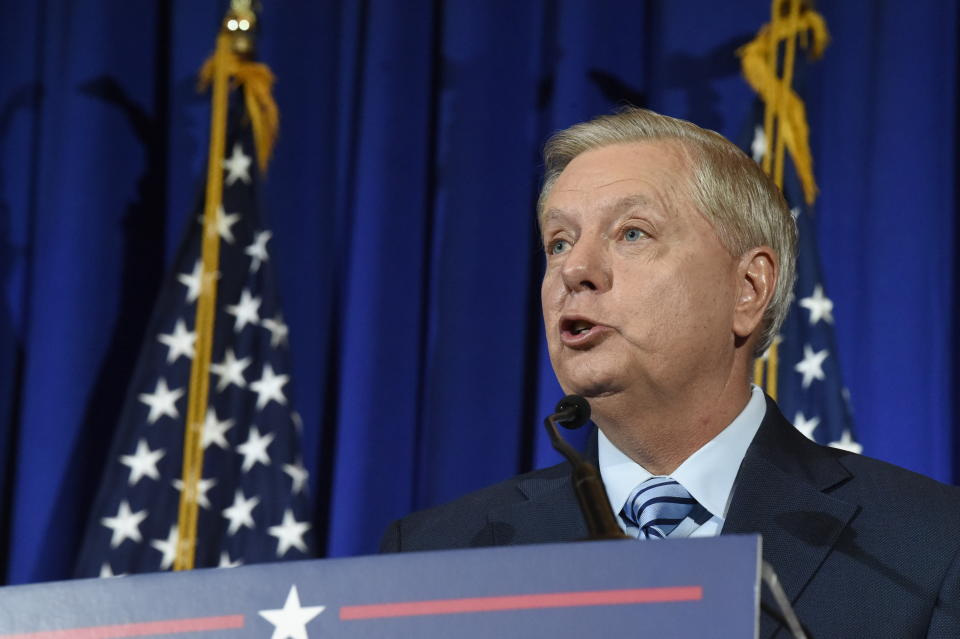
(900, 490)
(885, 473)
(462, 523)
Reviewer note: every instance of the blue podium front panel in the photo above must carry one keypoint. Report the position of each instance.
(684, 588)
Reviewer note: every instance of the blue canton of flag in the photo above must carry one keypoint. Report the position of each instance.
(253, 492)
(810, 389)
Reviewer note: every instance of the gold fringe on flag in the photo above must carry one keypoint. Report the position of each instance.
(228, 63)
(785, 117)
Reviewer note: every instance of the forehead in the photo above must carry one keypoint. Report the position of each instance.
(651, 173)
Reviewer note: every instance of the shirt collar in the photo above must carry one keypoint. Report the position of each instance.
(708, 474)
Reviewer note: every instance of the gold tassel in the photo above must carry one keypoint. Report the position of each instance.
(758, 59)
(256, 80)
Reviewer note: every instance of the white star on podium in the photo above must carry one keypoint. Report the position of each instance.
(290, 622)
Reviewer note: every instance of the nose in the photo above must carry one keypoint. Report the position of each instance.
(587, 266)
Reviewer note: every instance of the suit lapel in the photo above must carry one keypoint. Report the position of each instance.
(780, 493)
(550, 512)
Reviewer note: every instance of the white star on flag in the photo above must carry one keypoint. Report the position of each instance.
(255, 449)
(224, 224)
(163, 401)
(298, 474)
(759, 145)
(269, 387)
(297, 422)
(290, 622)
(819, 305)
(278, 330)
(240, 514)
(125, 524)
(806, 426)
(230, 371)
(203, 487)
(179, 342)
(106, 572)
(811, 366)
(215, 431)
(142, 463)
(258, 250)
(847, 443)
(192, 282)
(226, 562)
(289, 534)
(168, 547)
(246, 311)
(237, 166)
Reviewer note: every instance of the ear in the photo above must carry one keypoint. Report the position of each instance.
(756, 280)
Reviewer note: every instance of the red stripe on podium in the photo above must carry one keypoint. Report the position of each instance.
(522, 602)
(170, 626)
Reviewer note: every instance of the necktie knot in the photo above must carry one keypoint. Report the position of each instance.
(657, 506)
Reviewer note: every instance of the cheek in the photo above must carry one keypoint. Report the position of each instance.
(551, 294)
(708, 302)
(652, 317)
(550, 305)
(675, 306)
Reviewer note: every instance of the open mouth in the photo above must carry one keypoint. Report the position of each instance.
(578, 332)
(576, 327)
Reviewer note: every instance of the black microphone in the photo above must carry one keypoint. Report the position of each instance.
(572, 412)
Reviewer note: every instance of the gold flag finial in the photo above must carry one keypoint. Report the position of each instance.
(240, 24)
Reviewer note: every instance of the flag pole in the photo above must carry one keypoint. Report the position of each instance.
(234, 39)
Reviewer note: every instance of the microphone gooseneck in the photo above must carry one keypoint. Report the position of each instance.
(573, 411)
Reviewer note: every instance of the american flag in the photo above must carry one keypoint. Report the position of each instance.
(810, 388)
(253, 493)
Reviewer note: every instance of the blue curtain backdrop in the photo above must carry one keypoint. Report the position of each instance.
(401, 200)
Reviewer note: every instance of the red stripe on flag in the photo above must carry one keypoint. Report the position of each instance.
(170, 626)
(522, 602)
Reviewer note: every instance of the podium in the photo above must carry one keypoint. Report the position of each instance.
(674, 588)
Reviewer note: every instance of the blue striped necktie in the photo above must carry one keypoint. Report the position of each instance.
(657, 506)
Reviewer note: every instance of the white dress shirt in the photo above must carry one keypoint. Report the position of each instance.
(708, 474)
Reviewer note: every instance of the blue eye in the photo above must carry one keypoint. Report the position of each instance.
(632, 235)
(557, 246)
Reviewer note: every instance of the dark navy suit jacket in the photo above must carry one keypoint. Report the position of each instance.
(862, 548)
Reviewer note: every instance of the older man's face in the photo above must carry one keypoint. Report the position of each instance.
(638, 294)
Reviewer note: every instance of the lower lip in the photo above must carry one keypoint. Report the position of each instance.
(584, 340)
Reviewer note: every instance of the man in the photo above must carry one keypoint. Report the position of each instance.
(670, 260)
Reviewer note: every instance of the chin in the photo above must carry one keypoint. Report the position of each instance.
(594, 386)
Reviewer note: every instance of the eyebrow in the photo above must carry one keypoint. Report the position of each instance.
(637, 200)
(550, 215)
(630, 201)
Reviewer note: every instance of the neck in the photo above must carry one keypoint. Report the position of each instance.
(660, 430)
